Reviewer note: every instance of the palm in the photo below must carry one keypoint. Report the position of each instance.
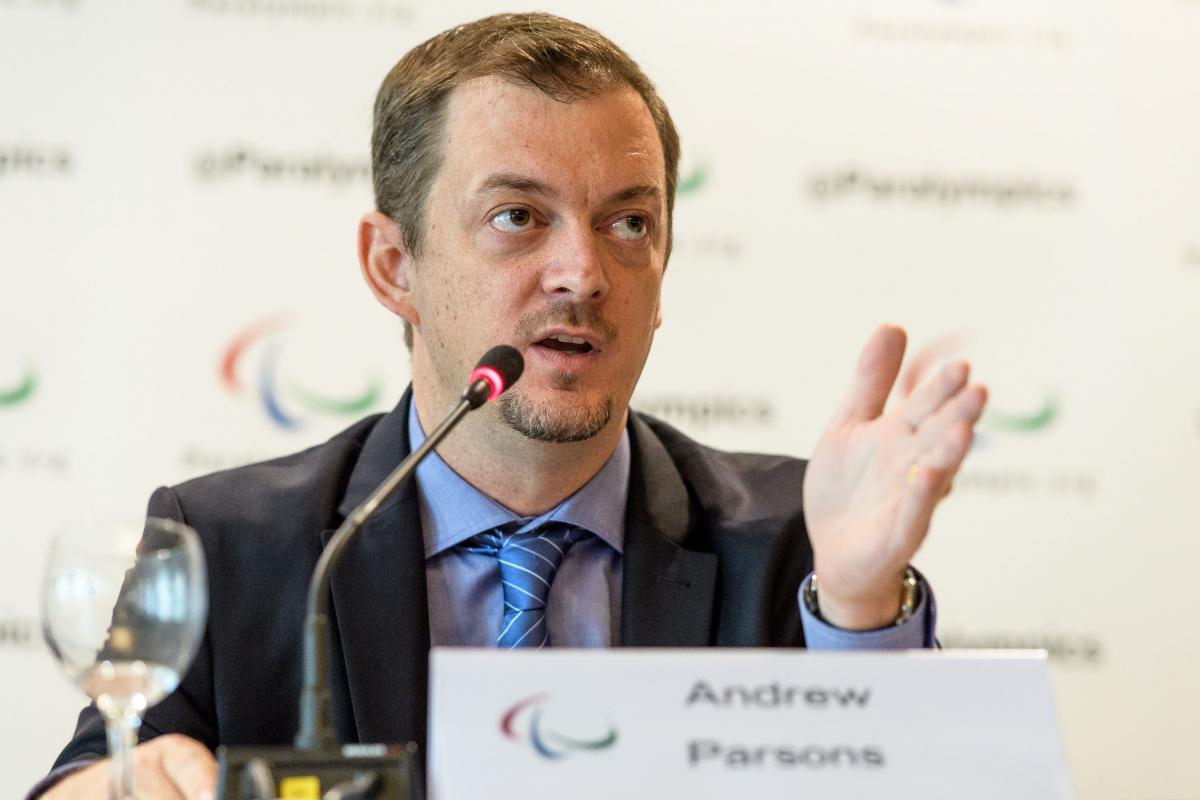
(876, 475)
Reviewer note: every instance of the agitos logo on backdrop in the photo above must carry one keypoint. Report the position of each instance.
(693, 181)
(286, 400)
(525, 723)
(18, 392)
(1034, 419)
(714, 244)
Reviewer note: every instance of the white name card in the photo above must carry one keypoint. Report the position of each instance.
(752, 724)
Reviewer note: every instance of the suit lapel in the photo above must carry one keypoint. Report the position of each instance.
(667, 591)
(379, 600)
(380, 605)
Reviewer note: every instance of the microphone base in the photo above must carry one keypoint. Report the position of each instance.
(358, 771)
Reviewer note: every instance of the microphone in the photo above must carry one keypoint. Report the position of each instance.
(246, 771)
(496, 371)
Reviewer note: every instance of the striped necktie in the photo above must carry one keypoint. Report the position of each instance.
(528, 563)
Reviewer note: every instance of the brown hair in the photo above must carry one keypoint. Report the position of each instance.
(563, 59)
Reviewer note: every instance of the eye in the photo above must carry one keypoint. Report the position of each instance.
(631, 227)
(512, 220)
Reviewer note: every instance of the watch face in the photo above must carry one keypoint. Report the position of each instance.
(810, 596)
(911, 596)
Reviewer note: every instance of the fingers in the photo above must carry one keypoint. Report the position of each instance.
(875, 374)
(964, 408)
(916, 507)
(928, 482)
(922, 362)
(89, 782)
(150, 781)
(927, 399)
(930, 479)
(189, 766)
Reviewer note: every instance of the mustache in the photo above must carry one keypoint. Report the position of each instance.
(569, 314)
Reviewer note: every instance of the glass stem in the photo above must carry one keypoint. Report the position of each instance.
(122, 728)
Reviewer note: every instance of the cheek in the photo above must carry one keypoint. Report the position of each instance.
(641, 303)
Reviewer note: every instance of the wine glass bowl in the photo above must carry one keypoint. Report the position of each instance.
(124, 605)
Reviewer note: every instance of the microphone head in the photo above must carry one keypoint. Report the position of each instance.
(500, 368)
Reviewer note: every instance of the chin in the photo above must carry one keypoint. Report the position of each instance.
(563, 421)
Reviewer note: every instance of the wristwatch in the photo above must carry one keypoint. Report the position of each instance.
(910, 596)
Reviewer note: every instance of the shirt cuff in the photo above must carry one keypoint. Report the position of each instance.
(914, 633)
(57, 774)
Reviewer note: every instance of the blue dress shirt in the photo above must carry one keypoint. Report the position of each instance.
(466, 602)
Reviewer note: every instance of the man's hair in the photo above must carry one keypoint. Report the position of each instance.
(563, 59)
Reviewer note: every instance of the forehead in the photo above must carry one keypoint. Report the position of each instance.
(591, 144)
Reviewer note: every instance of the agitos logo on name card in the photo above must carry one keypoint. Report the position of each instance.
(288, 402)
(525, 723)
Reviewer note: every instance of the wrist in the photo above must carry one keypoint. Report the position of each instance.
(865, 612)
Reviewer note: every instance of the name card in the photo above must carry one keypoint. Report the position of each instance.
(756, 724)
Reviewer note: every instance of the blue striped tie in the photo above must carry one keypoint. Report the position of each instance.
(528, 563)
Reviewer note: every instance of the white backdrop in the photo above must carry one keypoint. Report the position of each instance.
(180, 182)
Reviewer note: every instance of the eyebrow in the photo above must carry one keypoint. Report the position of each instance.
(514, 182)
(521, 183)
(645, 191)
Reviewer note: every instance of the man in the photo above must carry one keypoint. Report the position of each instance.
(524, 173)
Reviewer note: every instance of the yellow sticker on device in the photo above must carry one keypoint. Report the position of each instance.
(300, 787)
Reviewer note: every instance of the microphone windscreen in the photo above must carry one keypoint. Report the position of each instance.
(500, 367)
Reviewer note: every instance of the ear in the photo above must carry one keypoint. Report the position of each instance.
(385, 264)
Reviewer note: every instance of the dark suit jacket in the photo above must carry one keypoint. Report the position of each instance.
(715, 550)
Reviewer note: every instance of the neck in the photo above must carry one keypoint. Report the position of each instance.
(526, 476)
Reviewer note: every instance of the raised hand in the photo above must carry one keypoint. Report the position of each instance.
(876, 475)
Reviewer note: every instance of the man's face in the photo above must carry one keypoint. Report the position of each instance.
(546, 229)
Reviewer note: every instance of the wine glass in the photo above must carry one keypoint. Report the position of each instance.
(124, 606)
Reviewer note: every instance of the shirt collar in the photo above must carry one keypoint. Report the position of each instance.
(453, 510)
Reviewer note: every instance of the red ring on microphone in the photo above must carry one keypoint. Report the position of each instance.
(494, 379)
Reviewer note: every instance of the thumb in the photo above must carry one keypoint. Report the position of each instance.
(875, 374)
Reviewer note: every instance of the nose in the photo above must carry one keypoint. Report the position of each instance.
(575, 268)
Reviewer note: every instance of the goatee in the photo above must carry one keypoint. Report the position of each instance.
(556, 425)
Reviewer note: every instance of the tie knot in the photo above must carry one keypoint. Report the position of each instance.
(528, 563)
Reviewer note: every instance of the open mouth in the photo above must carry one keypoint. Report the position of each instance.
(563, 343)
